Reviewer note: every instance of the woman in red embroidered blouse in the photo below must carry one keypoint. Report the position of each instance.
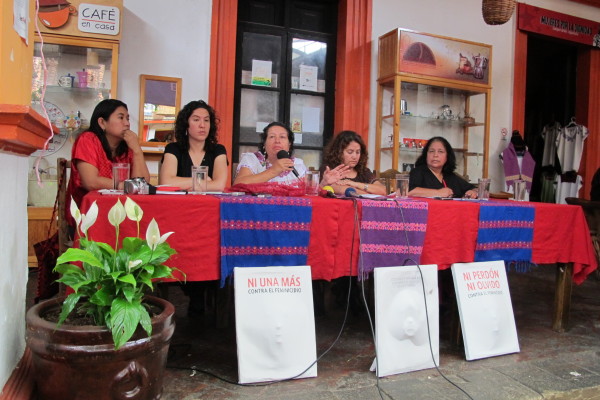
(108, 140)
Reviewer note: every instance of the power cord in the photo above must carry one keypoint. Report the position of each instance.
(427, 312)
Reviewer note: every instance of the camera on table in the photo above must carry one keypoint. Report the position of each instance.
(136, 186)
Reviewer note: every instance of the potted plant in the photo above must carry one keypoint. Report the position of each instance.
(120, 348)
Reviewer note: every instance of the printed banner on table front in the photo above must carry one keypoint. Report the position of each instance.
(275, 325)
(485, 309)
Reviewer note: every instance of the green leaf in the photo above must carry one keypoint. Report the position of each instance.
(102, 297)
(67, 307)
(77, 285)
(68, 269)
(129, 292)
(162, 271)
(132, 244)
(75, 254)
(124, 319)
(107, 248)
(128, 279)
(146, 322)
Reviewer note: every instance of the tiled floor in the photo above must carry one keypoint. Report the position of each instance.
(549, 365)
(344, 371)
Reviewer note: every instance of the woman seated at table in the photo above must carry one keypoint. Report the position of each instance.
(433, 175)
(108, 140)
(264, 164)
(196, 144)
(345, 166)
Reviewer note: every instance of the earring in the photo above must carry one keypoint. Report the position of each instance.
(186, 132)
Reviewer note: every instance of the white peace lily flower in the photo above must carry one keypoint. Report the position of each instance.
(133, 264)
(116, 215)
(133, 210)
(75, 213)
(153, 235)
(88, 219)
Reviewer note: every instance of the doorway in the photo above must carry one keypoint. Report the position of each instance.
(550, 98)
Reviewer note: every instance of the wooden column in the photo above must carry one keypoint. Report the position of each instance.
(587, 106)
(222, 68)
(353, 74)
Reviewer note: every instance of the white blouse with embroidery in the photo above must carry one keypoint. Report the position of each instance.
(257, 163)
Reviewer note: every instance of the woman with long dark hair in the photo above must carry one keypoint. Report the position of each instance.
(346, 156)
(107, 141)
(196, 144)
(433, 175)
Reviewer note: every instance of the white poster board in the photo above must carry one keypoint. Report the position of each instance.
(401, 314)
(275, 324)
(485, 308)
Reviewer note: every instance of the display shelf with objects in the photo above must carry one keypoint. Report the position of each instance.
(75, 64)
(432, 86)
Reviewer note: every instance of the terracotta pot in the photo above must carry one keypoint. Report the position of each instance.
(80, 362)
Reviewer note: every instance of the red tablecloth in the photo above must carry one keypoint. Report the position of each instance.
(560, 233)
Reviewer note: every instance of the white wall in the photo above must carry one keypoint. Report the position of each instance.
(169, 39)
(463, 20)
(13, 261)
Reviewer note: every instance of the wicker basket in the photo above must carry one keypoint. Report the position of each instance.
(497, 12)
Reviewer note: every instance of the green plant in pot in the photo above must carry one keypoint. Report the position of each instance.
(108, 285)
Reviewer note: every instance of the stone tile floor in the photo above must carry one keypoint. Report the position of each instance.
(550, 365)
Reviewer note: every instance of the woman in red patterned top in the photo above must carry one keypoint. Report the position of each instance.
(108, 140)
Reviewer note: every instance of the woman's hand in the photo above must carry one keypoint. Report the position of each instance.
(282, 165)
(445, 192)
(333, 176)
(131, 138)
(471, 194)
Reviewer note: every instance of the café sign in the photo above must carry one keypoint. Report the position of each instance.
(94, 18)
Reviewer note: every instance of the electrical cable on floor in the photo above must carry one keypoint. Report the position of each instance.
(427, 314)
(193, 368)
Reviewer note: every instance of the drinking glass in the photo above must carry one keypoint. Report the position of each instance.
(520, 190)
(402, 181)
(311, 181)
(120, 172)
(199, 178)
(483, 188)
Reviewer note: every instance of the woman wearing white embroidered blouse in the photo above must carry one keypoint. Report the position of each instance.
(264, 166)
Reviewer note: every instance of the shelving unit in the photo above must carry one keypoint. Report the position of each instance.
(432, 86)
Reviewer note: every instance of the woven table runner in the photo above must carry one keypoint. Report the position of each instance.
(391, 233)
(258, 232)
(505, 233)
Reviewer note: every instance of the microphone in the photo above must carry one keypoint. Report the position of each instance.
(329, 192)
(284, 154)
(351, 192)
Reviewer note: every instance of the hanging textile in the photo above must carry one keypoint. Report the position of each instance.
(550, 134)
(569, 145)
(505, 233)
(514, 170)
(391, 233)
(259, 232)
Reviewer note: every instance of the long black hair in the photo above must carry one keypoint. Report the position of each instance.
(450, 165)
(263, 137)
(104, 110)
(182, 124)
